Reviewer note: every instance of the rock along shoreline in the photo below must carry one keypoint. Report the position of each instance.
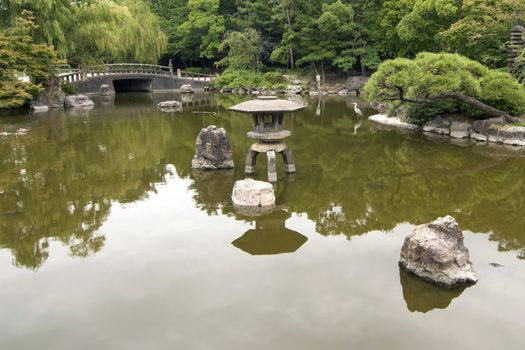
(494, 130)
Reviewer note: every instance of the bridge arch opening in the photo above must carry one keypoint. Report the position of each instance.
(132, 85)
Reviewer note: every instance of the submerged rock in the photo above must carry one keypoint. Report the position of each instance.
(170, 106)
(460, 130)
(38, 107)
(106, 90)
(392, 121)
(435, 252)
(213, 150)
(74, 101)
(251, 193)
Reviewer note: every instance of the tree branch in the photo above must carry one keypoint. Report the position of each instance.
(471, 101)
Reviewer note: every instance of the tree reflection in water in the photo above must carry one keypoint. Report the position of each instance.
(58, 182)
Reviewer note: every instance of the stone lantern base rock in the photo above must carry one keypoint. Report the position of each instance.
(251, 193)
(435, 252)
(213, 150)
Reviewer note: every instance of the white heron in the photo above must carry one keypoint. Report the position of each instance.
(358, 111)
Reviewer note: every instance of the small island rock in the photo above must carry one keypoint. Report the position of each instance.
(251, 193)
(213, 150)
(74, 101)
(170, 106)
(435, 252)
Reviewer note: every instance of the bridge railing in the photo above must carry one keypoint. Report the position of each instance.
(195, 76)
(70, 75)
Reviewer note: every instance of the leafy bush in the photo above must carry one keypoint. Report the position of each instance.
(273, 77)
(501, 90)
(243, 78)
(420, 113)
(201, 70)
(69, 89)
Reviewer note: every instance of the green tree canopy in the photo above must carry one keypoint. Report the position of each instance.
(19, 54)
(433, 77)
(200, 34)
(94, 31)
(243, 50)
(329, 37)
(483, 30)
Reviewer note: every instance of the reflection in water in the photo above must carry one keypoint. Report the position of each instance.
(270, 236)
(358, 124)
(119, 182)
(58, 181)
(79, 111)
(186, 98)
(213, 190)
(421, 296)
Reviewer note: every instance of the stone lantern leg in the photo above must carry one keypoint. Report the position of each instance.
(270, 149)
(268, 130)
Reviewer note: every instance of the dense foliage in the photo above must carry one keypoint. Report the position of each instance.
(436, 77)
(237, 79)
(337, 34)
(93, 31)
(18, 55)
(261, 35)
(340, 34)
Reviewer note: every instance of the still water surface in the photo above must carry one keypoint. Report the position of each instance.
(108, 240)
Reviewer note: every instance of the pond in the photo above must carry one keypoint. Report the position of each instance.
(108, 240)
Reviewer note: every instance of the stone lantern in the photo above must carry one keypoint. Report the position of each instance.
(268, 129)
(516, 43)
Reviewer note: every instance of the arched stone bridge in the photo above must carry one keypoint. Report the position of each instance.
(132, 77)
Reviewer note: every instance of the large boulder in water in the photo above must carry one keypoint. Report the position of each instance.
(498, 130)
(435, 252)
(74, 101)
(213, 150)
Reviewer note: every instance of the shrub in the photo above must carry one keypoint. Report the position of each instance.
(69, 89)
(242, 78)
(420, 113)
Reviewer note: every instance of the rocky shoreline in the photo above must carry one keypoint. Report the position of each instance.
(494, 130)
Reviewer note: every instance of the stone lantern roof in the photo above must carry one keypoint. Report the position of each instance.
(267, 104)
(517, 28)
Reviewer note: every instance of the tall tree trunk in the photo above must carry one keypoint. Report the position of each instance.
(489, 110)
(363, 68)
(460, 8)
